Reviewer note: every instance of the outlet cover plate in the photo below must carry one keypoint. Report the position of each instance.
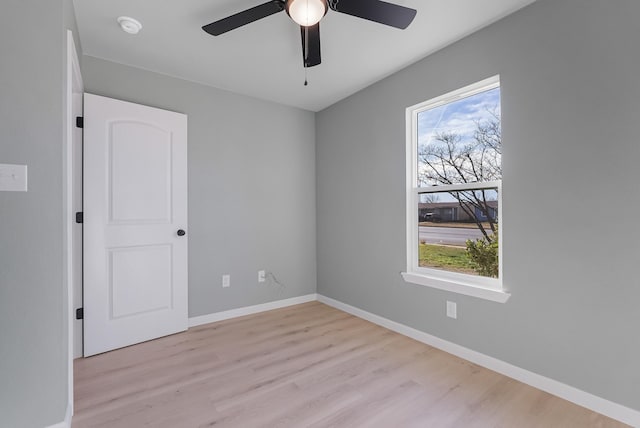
(13, 178)
(452, 309)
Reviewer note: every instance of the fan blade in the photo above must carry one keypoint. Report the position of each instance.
(377, 11)
(245, 17)
(310, 45)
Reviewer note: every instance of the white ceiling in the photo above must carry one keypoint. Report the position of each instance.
(264, 59)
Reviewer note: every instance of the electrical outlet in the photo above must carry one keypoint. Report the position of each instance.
(261, 276)
(452, 309)
(226, 281)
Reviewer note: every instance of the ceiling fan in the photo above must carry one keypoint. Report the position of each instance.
(308, 13)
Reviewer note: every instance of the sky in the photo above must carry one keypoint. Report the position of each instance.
(458, 116)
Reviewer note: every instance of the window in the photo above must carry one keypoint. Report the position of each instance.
(454, 190)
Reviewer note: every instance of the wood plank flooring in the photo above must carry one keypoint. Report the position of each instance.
(305, 366)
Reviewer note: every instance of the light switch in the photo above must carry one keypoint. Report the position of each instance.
(452, 310)
(13, 178)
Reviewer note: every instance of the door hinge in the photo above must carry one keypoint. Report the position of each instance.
(80, 122)
(80, 217)
(80, 313)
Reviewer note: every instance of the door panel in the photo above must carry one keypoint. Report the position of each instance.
(135, 187)
(139, 195)
(149, 269)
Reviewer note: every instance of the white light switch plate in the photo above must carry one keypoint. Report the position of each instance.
(452, 310)
(13, 178)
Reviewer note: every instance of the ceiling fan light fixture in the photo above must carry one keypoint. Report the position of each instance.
(306, 12)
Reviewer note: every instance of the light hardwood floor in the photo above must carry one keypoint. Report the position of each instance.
(305, 366)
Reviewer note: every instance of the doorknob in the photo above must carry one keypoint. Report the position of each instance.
(181, 232)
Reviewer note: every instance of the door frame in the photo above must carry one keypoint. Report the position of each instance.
(72, 178)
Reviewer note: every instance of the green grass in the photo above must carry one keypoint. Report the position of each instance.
(447, 258)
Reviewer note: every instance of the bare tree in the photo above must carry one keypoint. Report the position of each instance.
(452, 159)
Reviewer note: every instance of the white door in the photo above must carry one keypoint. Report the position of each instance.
(135, 218)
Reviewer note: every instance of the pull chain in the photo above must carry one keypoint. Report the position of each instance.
(305, 77)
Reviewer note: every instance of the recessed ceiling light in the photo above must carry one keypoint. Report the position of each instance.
(129, 25)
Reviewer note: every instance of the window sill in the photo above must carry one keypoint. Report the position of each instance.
(480, 292)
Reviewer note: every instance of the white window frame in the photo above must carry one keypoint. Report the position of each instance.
(470, 285)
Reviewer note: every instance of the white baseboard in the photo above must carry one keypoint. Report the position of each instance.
(559, 389)
(248, 310)
(67, 419)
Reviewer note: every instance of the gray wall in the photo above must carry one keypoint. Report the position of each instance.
(570, 102)
(251, 186)
(33, 323)
(69, 21)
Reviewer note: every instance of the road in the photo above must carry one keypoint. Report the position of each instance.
(448, 235)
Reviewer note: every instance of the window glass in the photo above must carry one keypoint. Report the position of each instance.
(461, 141)
(451, 226)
